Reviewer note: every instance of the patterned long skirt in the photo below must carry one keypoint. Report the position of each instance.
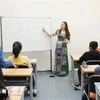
(61, 59)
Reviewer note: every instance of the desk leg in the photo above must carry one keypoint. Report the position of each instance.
(36, 76)
(96, 94)
(31, 88)
(82, 83)
(22, 96)
(35, 88)
(51, 60)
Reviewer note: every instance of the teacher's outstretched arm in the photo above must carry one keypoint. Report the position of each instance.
(49, 34)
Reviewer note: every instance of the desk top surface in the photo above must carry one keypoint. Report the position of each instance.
(17, 72)
(89, 69)
(19, 95)
(13, 97)
(76, 56)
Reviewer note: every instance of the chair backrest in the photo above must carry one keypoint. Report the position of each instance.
(93, 62)
(22, 66)
(93, 79)
(19, 66)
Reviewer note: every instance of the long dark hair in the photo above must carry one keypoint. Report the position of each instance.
(17, 47)
(3, 95)
(66, 30)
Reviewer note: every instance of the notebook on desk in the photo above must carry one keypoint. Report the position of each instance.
(14, 90)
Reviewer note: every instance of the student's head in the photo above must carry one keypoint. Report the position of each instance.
(93, 45)
(3, 92)
(17, 47)
(64, 26)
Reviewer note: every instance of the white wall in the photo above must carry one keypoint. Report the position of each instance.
(82, 17)
(42, 56)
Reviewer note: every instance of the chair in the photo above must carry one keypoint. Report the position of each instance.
(19, 66)
(91, 87)
(22, 66)
(93, 62)
(92, 79)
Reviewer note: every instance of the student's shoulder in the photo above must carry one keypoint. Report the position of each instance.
(10, 57)
(25, 57)
(86, 53)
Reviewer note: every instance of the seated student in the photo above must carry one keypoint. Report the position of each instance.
(92, 54)
(17, 58)
(4, 95)
(3, 62)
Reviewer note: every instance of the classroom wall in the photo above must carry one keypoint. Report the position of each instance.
(43, 57)
(78, 13)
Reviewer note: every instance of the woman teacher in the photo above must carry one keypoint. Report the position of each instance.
(61, 58)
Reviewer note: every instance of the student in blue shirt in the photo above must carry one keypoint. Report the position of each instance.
(3, 62)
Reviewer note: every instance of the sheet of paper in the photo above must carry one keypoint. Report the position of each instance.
(13, 89)
(93, 66)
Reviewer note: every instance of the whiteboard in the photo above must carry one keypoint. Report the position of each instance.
(28, 31)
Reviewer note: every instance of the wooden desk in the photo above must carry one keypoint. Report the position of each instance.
(34, 65)
(74, 65)
(17, 72)
(76, 56)
(11, 72)
(15, 97)
(89, 69)
(19, 96)
(97, 87)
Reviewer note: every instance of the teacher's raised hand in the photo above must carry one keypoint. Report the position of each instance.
(49, 34)
(43, 29)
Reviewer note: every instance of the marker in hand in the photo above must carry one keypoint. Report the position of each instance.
(43, 29)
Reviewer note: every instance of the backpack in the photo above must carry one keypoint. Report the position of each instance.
(1, 75)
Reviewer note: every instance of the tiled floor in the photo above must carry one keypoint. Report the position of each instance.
(55, 88)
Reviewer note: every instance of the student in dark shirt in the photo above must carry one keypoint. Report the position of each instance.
(92, 54)
(4, 95)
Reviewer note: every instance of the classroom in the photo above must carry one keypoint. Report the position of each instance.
(49, 50)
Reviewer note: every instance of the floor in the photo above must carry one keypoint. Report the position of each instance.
(55, 88)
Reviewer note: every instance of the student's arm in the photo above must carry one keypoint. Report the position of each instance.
(3, 62)
(83, 58)
(28, 63)
(50, 35)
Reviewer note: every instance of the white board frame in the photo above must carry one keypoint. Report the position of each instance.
(28, 17)
(50, 50)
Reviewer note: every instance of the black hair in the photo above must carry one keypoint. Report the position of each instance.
(93, 45)
(3, 95)
(17, 47)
